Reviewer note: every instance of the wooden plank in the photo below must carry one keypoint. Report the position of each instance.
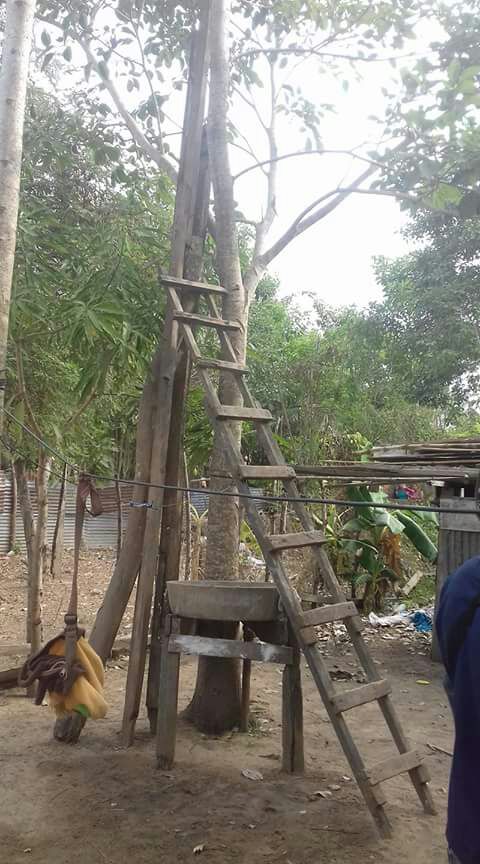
(293, 760)
(167, 706)
(240, 412)
(194, 287)
(203, 646)
(281, 542)
(394, 766)
(328, 614)
(412, 582)
(388, 472)
(361, 695)
(205, 321)
(266, 472)
(224, 365)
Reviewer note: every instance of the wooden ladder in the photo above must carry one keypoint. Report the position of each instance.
(303, 623)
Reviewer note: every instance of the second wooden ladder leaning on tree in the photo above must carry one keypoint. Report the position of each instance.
(304, 623)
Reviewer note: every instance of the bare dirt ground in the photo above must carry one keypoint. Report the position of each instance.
(96, 803)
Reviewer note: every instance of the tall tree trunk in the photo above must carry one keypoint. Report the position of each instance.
(216, 704)
(13, 88)
(12, 532)
(59, 530)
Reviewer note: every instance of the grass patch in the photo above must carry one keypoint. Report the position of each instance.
(422, 595)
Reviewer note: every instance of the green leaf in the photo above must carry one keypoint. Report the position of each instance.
(418, 537)
(354, 525)
(46, 38)
(68, 53)
(388, 520)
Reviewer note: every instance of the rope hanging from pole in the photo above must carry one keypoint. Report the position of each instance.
(66, 667)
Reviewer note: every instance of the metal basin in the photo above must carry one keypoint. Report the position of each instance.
(224, 601)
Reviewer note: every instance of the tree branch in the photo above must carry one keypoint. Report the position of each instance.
(314, 52)
(150, 85)
(403, 196)
(263, 227)
(138, 136)
(297, 153)
(252, 106)
(304, 221)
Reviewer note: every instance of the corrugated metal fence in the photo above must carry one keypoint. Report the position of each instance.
(99, 532)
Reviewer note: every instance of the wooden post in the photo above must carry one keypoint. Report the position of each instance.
(292, 715)
(182, 229)
(119, 519)
(188, 524)
(12, 532)
(29, 532)
(246, 676)
(168, 698)
(58, 533)
(171, 530)
(39, 544)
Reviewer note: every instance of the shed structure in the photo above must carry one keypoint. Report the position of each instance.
(454, 468)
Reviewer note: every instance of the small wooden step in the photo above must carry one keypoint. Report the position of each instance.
(197, 287)
(240, 412)
(328, 614)
(223, 365)
(206, 321)
(281, 542)
(266, 472)
(361, 695)
(395, 766)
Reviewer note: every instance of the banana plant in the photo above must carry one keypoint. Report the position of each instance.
(371, 540)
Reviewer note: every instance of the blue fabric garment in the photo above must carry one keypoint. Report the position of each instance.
(421, 621)
(458, 629)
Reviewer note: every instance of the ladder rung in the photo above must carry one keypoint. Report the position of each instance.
(239, 412)
(361, 695)
(394, 766)
(206, 321)
(281, 542)
(266, 472)
(213, 363)
(327, 614)
(187, 285)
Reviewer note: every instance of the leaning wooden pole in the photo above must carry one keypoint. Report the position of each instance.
(182, 228)
(13, 91)
(171, 533)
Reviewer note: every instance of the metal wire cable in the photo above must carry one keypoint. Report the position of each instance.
(336, 502)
